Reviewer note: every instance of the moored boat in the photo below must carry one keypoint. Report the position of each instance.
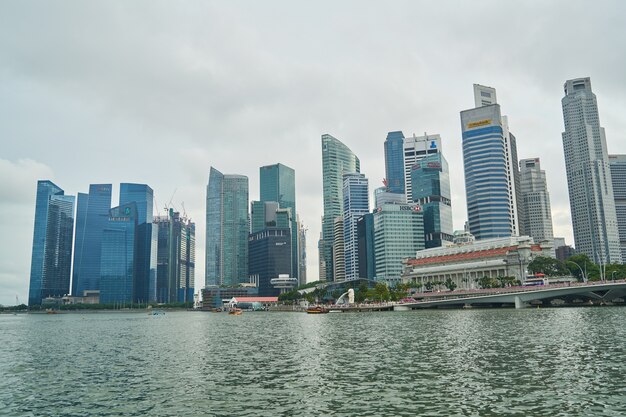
(316, 310)
(235, 312)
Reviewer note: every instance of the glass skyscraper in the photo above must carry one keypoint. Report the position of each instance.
(269, 256)
(589, 175)
(394, 162)
(52, 243)
(226, 229)
(430, 181)
(92, 215)
(414, 149)
(278, 183)
(337, 159)
(365, 237)
(147, 240)
(618, 176)
(355, 205)
(117, 259)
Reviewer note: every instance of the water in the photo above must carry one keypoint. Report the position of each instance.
(530, 362)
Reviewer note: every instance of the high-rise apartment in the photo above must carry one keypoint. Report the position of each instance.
(226, 229)
(618, 176)
(491, 168)
(394, 162)
(416, 148)
(278, 183)
(92, 215)
(147, 240)
(355, 205)
(430, 184)
(337, 159)
(52, 243)
(535, 200)
(589, 175)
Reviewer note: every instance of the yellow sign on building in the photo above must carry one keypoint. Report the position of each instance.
(479, 123)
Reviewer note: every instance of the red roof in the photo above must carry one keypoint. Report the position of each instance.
(456, 257)
(256, 299)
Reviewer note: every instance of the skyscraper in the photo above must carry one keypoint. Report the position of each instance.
(398, 234)
(226, 229)
(147, 240)
(278, 183)
(337, 159)
(52, 243)
(416, 148)
(339, 260)
(589, 175)
(491, 170)
(535, 200)
(394, 162)
(430, 183)
(618, 176)
(269, 256)
(301, 251)
(118, 267)
(355, 204)
(365, 237)
(92, 215)
(175, 258)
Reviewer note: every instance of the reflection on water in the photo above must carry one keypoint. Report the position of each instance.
(439, 363)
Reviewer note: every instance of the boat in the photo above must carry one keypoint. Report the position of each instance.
(235, 312)
(51, 311)
(316, 310)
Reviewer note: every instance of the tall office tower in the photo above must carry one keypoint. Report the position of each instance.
(430, 183)
(398, 234)
(618, 176)
(491, 170)
(535, 200)
(365, 238)
(321, 263)
(147, 240)
(589, 175)
(384, 197)
(269, 256)
(226, 229)
(394, 162)
(337, 159)
(118, 257)
(339, 260)
(416, 148)
(52, 243)
(356, 203)
(92, 215)
(301, 251)
(263, 215)
(278, 183)
(176, 258)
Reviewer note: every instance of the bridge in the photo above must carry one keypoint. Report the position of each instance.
(519, 296)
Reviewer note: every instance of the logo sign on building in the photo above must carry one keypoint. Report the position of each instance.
(435, 165)
(479, 123)
(433, 144)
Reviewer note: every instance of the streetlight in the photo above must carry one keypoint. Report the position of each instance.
(581, 270)
(612, 275)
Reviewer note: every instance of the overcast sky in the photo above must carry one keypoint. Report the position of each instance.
(157, 92)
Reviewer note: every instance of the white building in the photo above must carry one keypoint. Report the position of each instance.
(416, 148)
(535, 200)
(588, 175)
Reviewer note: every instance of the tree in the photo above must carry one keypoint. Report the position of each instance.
(487, 282)
(451, 285)
(548, 266)
(579, 262)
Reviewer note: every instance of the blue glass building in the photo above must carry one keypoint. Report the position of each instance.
(394, 162)
(278, 183)
(365, 239)
(430, 184)
(226, 229)
(355, 204)
(489, 196)
(52, 243)
(147, 240)
(92, 215)
(117, 260)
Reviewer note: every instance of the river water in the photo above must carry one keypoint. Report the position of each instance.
(568, 361)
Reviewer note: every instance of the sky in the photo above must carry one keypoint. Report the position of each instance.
(157, 92)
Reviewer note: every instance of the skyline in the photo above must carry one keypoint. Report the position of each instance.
(178, 98)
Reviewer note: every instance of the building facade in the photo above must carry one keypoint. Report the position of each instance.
(618, 177)
(535, 200)
(92, 215)
(337, 159)
(226, 229)
(394, 162)
(365, 244)
(339, 260)
(398, 234)
(118, 268)
(589, 180)
(416, 148)
(355, 204)
(52, 243)
(491, 169)
(269, 257)
(301, 252)
(430, 184)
